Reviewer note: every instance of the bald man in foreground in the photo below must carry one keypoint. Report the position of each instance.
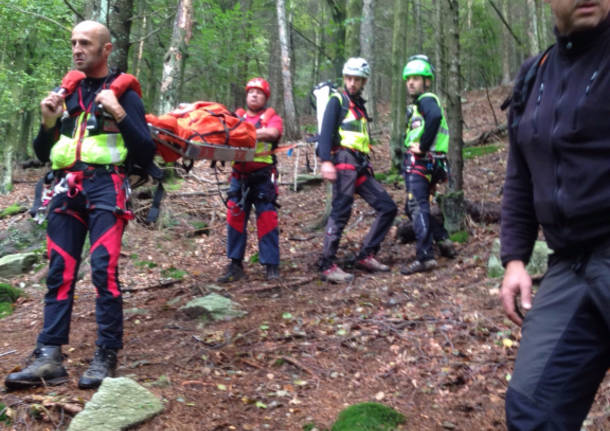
(90, 132)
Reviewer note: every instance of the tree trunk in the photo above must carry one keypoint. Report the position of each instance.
(10, 139)
(275, 69)
(352, 28)
(119, 23)
(337, 10)
(532, 28)
(174, 58)
(507, 48)
(367, 50)
(291, 121)
(399, 48)
(453, 202)
(419, 29)
(439, 48)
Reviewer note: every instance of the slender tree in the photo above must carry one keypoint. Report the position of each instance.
(532, 28)
(292, 123)
(453, 203)
(352, 28)
(367, 50)
(174, 58)
(399, 48)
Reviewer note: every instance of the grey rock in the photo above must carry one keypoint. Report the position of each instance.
(15, 264)
(118, 404)
(212, 307)
(536, 267)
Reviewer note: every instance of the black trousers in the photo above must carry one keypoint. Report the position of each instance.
(565, 346)
(352, 178)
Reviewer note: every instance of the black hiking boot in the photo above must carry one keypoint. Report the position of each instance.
(272, 272)
(418, 266)
(234, 272)
(446, 248)
(103, 365)
(44, 368)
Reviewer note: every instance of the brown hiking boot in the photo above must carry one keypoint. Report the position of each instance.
(418, 266)
(334, 274)
(446, 248)
(371, 264)
(45, 368)
(233, 272)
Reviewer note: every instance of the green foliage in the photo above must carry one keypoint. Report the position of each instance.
(254, 258)
(3, 416)
(368, 417)
(146, 263)
(12, 210)
(392, 176)
(175, 273)
(9, 293)
(34, 55)
(460, 236)
(6, 309)
(472, 152)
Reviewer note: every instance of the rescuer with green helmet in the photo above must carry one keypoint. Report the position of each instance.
(425, 164)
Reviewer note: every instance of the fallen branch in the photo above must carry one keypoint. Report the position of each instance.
(281, 284)
(298, 365)
(7, 353)
(496, 132)
(163, 285)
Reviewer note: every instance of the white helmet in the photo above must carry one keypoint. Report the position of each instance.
(357, 66)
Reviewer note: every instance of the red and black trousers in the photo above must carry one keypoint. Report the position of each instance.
(94, 204)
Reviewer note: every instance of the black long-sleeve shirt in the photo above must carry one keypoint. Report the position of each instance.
(429, 109)
(133, 127)
(332, 119)
(558, 171)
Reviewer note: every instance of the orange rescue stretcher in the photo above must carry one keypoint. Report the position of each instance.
(202, 130)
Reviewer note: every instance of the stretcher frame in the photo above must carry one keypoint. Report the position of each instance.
(197, 150)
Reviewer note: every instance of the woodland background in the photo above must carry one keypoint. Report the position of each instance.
(188, 50)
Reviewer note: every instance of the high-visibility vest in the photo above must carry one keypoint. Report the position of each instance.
(353, 130)
(261, 146)
(416, 125)
(98, 149)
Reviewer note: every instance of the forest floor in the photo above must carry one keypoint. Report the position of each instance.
(436, 347)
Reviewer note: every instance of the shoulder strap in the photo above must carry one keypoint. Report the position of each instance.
(267, 115)
(523, 85)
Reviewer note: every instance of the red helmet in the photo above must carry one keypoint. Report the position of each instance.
(261, 84)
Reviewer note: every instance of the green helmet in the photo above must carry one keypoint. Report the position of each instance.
(418, 65)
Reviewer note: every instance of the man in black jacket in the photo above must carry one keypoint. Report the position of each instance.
(557, 178)
(88, 133)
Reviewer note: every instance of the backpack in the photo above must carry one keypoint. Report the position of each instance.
(523, 87)
(195, 131)
(319, 97)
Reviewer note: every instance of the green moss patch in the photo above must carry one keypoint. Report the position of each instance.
(472, 152)
(368, 417)
(8, 295)
(459, 236)
(12, 210)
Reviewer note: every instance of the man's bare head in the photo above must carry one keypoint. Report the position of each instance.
(91, 47)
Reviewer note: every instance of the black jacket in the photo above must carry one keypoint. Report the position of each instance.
(558, 172)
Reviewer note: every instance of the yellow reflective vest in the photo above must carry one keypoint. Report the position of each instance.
(354, 131)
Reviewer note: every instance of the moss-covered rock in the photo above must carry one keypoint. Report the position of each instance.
(368, 417)
(8, 295)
